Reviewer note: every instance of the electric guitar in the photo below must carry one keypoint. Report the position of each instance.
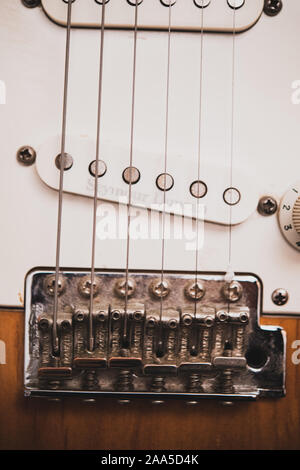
(150, 224)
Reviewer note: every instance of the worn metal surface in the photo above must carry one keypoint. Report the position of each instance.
(172, 346)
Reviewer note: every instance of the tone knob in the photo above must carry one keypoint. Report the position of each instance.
(289, 216)
(296, 215)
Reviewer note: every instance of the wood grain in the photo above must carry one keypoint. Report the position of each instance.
(71, 424)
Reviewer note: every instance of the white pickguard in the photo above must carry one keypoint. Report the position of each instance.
(266, 139)
(153, 15)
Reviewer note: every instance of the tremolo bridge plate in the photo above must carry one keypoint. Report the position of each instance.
(153, 15)
(163, 343)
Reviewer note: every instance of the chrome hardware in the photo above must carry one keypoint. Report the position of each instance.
(125, 381)
(159, 288)
(165, 182)
(49, 284)
(202, 3)
(31, 3)
(102, 168)
(232, 196)
(232, 291)
(131, 175)
(26, 155)
(235, 4)
(267, 205)
(195, 290)
(123, 288)
(126, 336)
(68, 162)
(280, 297)
(272, 7)
(90, 380)
(157, 346)
(85, 284)
(198, 189)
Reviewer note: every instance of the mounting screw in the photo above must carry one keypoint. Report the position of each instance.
(85, 286)
(49, 285)
(280, 297)
(267, 205)
(31, 3)
(26, 155)
(195, 291)
(232, 291)
(122, 286)
(160, 289)
(272, 7)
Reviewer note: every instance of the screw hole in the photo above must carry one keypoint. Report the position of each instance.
(256, 358)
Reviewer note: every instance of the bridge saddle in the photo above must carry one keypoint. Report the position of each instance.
(147, 345)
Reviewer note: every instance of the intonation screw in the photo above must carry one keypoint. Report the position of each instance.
(65, 325)
(121, 285)
(244, 317)
(222, 316)
(79, 316)
(232, 291)
(26, 155)
(187, 320)
(160, 289)
(50, 285)
(44, 324)
(31, 3)
(151, 322)
(272, 7)
(267, 205)
(195, 291)
(280, 297)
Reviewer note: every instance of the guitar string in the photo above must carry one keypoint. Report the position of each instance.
(229, 269)
(61, 178)
(165, 159)
(199, 151)
(132, 127)
(96, 185)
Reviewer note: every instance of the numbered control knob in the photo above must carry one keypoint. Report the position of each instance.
(289, 216)
(296, 215)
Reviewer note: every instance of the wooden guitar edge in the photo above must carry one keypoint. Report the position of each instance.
(72, 424)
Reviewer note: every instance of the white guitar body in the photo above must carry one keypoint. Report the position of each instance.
(265, 147)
